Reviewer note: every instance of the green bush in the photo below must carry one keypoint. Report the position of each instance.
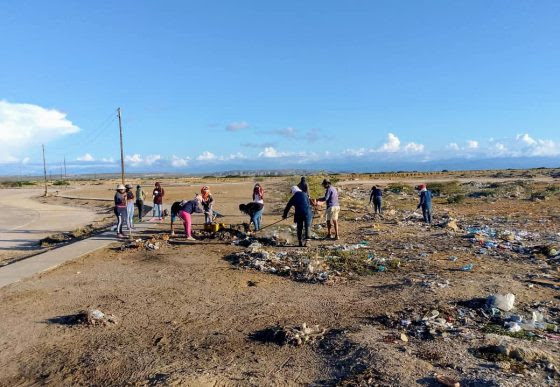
(446, 188)
(61, 182)
(16, 184)
(399, 187)
(456, 199)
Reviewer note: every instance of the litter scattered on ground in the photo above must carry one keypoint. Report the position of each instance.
(295, 335)
(154, 242)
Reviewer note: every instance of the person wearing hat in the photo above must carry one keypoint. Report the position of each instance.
(333, 208)
(425, 203)
(302, 216)
(158, 201)
(140, 197)
(129, 206)
(120, 209)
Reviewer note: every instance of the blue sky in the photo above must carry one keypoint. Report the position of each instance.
(215, 84)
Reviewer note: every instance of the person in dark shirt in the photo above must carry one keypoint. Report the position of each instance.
(158, 194)
(303, 186)
(184, 210)
(425, 203)
(302, 216)
(375, 198)
(129, 206)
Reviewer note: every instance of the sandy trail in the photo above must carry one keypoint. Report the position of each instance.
(24, 220)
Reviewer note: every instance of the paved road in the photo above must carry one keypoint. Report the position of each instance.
(23, 220)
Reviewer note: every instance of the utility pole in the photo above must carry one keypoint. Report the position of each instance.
(122, 151)
(65, 176)
(45, 169)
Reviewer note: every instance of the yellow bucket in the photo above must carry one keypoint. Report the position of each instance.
(214, 227)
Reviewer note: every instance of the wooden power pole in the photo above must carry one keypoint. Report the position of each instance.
(122, 151)
(65, 176)
(45, 169)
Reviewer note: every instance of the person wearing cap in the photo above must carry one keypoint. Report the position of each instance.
(184, 210)
(120, 209)
(376, 198)
(258, 197)
(158, 201)
(333, 208)
(425, 203)
(302, 216)
(207, 203)
(129, 206)
(140, 197)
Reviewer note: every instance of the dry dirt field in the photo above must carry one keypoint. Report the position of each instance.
(398, 303)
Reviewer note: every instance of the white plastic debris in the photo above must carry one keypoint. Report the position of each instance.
(503, 302)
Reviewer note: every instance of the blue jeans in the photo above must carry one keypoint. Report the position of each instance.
(256, 219)
(130, 214)
(157, 210)
(427, 214)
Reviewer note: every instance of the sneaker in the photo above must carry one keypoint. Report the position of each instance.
(119, 235)
(191, 238)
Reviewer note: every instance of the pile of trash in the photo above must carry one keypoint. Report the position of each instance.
(254, 241)
(297, 335)
(154, 242)
(224, 235)
(298, 265)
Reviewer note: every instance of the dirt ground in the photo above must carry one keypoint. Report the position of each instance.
(187, 314)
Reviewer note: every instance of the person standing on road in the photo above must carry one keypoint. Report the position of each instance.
(258, 197)
(375, 198)
(120, 209)
(184, 210)
(302, 217)
(333, 208)
(425, 203)
(140, 197)
(158, 201)
(129, 206)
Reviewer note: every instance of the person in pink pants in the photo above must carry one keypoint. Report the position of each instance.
(184, 210)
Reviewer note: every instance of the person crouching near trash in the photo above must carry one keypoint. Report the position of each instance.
(184, 210)
(120, 210)
(333, 208)
(254, 210)
(207, 203)
(425, 203)
(302, 217)
(258, 197)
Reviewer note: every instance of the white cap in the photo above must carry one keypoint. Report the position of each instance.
(120, 186)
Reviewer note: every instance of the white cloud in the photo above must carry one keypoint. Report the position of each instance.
(453, 146)
(413, 147)
(151, 159)
(134, 160)
(207, 156)
(393, 144)
(236, 126)
(108, 160)
(269, 152)
(179, 161)
(23, 126)
(86, 157)
(525, 138)
(472, 144)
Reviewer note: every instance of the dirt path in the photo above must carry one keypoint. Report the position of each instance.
(24, 220)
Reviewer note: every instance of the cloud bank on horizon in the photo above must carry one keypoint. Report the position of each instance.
(24, 126)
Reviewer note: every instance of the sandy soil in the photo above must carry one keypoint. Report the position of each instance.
(188, 316)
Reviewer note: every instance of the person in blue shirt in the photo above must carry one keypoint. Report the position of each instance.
(425, 203)
(302, 217)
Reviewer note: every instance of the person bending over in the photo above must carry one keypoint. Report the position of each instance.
(302, 217)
